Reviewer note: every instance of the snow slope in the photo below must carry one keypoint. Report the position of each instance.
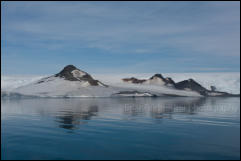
(13, 81)
(59, 87)
(228, 82)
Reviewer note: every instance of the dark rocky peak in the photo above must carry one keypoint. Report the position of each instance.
(72, 73)
(69, 68)
(157, 76)
(168, 80)
(192, 85)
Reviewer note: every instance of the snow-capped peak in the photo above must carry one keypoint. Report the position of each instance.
(157, 76)
(74, 82)
(157, 79)
(72, 73)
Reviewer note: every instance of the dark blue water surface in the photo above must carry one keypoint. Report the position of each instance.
(121, 128)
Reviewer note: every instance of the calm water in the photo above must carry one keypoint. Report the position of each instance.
(121, 128)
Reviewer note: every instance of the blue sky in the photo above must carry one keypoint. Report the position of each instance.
(120, 37)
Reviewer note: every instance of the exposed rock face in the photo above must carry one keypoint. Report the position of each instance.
(170, 81)
(133, 80)
(161, 80)
(194, 86)
(72, 73)
(157, 76)
(72, 82)
(191, 85)
(157, 79)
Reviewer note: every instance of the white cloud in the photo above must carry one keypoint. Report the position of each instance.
(208, 28)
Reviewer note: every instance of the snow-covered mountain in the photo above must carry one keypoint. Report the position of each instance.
(71, 73)
(186, 85)
(73, 82)
(157, 79)
(223, 81)
(69, 82)
(192, 85)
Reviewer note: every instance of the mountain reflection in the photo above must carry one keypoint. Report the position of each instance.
(70, 114)
(188, 107)
(165, 108)
(71, 120)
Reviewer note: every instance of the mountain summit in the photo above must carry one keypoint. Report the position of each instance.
(73, 82)
(71, 73)
(156, 79)
(185, 85)
(160, 80)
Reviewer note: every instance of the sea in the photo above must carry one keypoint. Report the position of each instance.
(146, 128)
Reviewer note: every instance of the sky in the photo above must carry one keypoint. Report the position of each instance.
(120, 37)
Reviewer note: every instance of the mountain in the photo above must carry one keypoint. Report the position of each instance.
(69, 82)
(71, 73)
(156, 79)
(192, 85)
(133, 80)
(186, 85)
(73, 82)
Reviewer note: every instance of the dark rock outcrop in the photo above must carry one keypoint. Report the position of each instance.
(192, 85)
(189, 84)
(68, 74)
(134, 80)
(158, 76)
(167, 81)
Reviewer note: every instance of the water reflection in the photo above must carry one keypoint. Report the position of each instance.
(70, 114)
(164, 108)
(71, 120)
(190, 107)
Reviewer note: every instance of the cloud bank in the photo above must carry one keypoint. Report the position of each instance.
(185, 32)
